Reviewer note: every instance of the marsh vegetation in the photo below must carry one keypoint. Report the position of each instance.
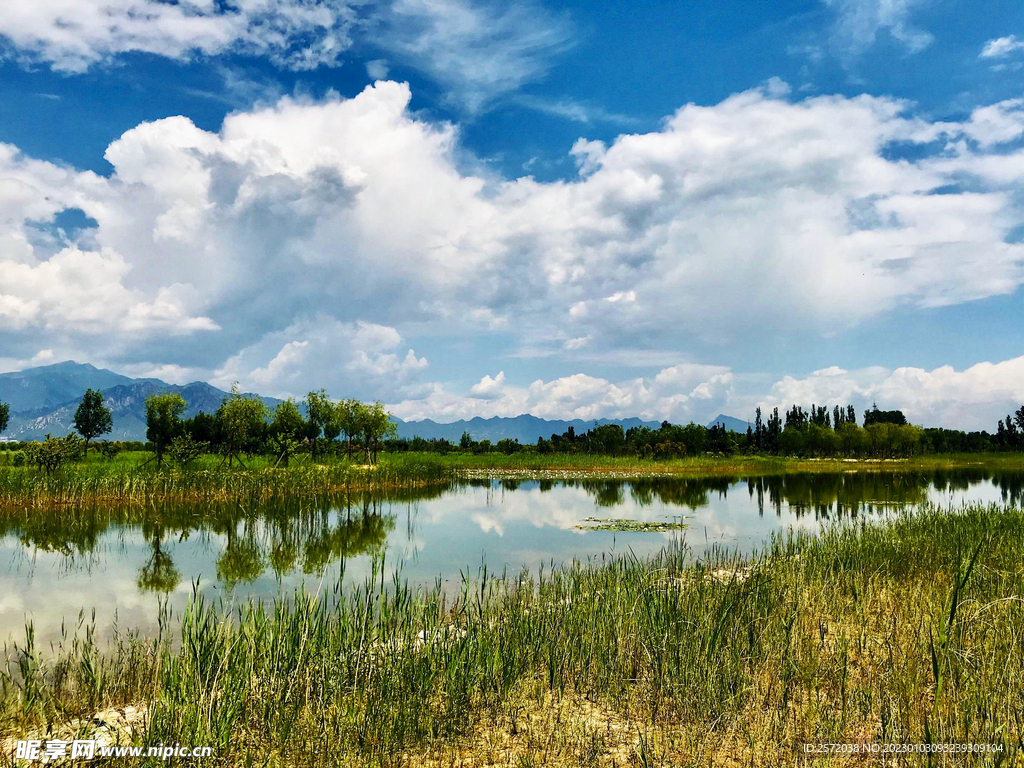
(911, 631)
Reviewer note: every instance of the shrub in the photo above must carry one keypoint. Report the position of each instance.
(109, 449)
(54, 452)
(184, 450)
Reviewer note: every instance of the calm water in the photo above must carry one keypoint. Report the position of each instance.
(123, 562)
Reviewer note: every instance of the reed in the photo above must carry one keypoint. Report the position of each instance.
(911, 631)
(132, 478)
(129, 481)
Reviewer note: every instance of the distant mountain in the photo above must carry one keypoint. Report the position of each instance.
(525, 428)
(126, 400)
(43, 400)
(730, 422)
(49, 386)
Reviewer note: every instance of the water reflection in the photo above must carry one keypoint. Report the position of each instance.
(121, 560)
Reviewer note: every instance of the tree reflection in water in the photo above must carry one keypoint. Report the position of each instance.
(303, 536)
(293, 537)
(825, 495)
(159, 573)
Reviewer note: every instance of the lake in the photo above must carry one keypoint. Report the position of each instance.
(123, 564)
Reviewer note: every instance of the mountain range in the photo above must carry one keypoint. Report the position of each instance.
(43, 400)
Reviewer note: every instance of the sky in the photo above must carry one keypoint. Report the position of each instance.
(471, 208)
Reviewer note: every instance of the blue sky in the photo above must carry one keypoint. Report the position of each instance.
(572, 209)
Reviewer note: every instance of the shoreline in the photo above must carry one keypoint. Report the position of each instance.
(120, 483)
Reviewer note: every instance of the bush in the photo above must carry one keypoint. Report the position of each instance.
(16, 458)
(54, 452)
(109, 449)
(184, 450)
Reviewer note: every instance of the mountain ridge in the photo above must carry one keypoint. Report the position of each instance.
(43, 400)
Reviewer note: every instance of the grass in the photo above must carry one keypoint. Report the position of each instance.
(132, 478)
(911, 631)
(498, 464)
(128, 479)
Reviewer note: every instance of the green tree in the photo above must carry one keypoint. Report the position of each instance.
(875, 416)
(92, 419)
(349, 416)
(286, 429)
(852, 439)
(5, 414)
(376, 426)
(163, 421)
(243, 423)
(333, 427)
(321, 411)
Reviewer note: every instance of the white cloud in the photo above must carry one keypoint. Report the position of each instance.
(172, 374)
(42, 357)
(488, 388)
(683, 392)
(377, 69)
(348, 359)
(72, 35)
(997, 123)
(348, 206)
(1001, 47)
(859, 22)
(974, 398)
(760, 211)
(571, 109)
(83, 291)
(355, 215)
(479, 49)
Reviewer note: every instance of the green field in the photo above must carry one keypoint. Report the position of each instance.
(910, 632)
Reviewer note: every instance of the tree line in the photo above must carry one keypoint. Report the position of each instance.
(822, 431)
(242, 425)
(245, 425)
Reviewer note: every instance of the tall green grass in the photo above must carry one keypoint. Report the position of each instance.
(911, 631)
(129, 480)
(135, 478)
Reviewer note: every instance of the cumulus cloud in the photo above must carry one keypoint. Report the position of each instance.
(681, 392)
(350, 359)
(997, 123)
(357, 216)
(760, 210)
(296, 208)
(974, 398)
(488, 388)
(72, 35)
(478, 50)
